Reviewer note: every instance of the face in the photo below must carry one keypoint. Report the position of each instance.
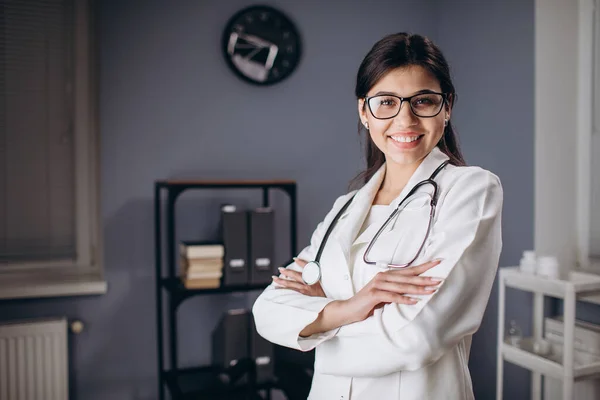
(406, 138)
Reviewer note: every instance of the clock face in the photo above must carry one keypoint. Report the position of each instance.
(261, 45)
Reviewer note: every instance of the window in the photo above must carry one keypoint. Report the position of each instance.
(49, 228)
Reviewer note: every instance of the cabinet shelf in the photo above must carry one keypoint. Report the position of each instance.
(564, 363)
(191, 383)
(229, 184)
(175, 285)
(584, 365)
(209, 382)
(579, 282)
(179, 292)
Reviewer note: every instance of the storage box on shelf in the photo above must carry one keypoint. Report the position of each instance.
(205, 381)
(564, 362)
(587, 351)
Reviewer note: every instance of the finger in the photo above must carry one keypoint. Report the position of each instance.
(389, 297)
(300, 261)
(404, 288)
(294, 275)
(413, 280)
(298, 287)
(417, 269)
(319, 289)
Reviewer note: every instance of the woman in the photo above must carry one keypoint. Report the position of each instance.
(381, 330)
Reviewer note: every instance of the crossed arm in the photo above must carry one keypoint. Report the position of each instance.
(394, 334)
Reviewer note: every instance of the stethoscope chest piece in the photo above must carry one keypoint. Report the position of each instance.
(311, 273)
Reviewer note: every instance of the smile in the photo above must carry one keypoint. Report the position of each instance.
(405, 139)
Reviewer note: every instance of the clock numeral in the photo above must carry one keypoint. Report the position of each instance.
(249, 19)
(264, 16)
(285, 63)
(290, 49)
(275, 72)
(286, 34)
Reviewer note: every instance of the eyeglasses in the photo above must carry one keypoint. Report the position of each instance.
(424, 105)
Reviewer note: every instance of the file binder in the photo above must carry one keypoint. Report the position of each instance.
(230, 340)
(263, 353)
(234, 227)
(262, 247)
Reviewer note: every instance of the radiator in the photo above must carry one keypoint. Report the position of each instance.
(33, 360)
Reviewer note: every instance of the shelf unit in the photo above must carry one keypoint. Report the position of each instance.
(564, 364)
(183, 382)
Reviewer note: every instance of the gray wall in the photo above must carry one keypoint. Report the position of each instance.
(171, 108)
(490, 46)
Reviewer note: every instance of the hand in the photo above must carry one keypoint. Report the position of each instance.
(392, 286)
(296, 283)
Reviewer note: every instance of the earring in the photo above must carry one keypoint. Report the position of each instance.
(367, 125)
(446, 122)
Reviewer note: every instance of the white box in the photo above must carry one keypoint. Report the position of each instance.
(587, 341)
(587, 335)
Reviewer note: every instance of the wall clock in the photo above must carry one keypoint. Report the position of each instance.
(261, 45)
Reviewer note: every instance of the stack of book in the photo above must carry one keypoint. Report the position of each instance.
(201, 264)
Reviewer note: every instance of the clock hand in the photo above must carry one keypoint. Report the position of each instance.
(252, 53)
(245, 46)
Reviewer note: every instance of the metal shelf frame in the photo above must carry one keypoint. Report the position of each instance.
(168, 282)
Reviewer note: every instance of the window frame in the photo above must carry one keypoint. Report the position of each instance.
(84, 275)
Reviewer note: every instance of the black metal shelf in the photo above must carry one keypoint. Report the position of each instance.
(210, 382)
(180, 382)
(179, 292)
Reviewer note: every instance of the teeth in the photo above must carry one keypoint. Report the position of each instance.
(404, 139)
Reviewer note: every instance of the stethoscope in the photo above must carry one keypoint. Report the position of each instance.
(311, 273)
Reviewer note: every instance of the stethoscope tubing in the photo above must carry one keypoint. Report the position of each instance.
(315, 264)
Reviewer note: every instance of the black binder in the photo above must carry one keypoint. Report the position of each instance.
(263, 354)
(234, 227)
(230, 341)
(262, 246)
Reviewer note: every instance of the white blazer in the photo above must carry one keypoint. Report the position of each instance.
(408, 352)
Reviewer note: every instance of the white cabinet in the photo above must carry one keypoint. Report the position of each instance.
(564, 363)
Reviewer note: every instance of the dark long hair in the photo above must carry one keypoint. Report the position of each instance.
(402, 50)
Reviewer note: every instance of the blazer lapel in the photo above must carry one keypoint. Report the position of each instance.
(352, 220)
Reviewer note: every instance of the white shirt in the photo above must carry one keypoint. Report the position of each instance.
(408, 352)
(377, 215)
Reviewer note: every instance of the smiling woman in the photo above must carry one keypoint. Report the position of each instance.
(397, 277)
(405, 134)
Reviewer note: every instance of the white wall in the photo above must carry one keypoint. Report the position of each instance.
(562, 174)
(595, 194)
(594, 240)
(556, 32)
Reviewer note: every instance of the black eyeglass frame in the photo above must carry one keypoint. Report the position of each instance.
(407, 99)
